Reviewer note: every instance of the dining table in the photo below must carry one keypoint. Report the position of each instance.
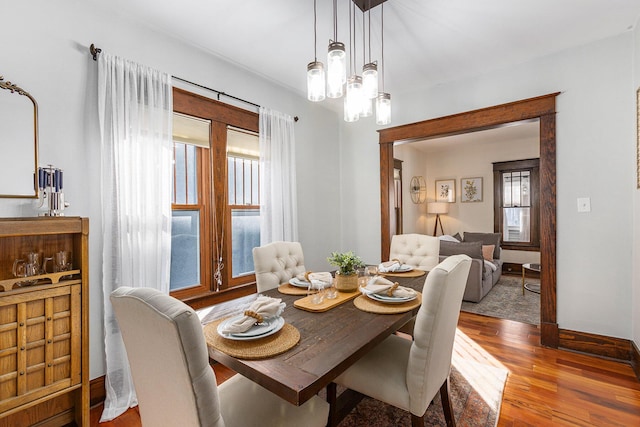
(330, 341)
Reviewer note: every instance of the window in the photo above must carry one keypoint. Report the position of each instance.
(516, 203)
(216, 213)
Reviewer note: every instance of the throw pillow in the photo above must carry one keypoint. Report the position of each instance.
(472, 249)
(458, 237)
(448, 238)
(487, 252)
(486, 239)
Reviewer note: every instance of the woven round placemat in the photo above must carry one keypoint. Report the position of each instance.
(262, 348)
(289, 289)
(413, 273)
(365, 303)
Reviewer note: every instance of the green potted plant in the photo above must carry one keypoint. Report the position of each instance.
(347, 274)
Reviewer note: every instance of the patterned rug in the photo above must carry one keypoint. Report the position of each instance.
(505, 300)
(476, 388)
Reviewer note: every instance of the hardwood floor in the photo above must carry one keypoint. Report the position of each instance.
(545, 386)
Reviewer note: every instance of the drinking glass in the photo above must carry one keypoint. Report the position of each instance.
(317, 290)
(331, 292)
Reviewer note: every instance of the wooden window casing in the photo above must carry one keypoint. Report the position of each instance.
(499, 169)
(213, 183)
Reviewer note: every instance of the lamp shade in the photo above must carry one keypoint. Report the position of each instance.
(315, 81)
(437, 207)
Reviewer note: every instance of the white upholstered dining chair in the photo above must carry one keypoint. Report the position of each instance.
(407, 374)
(174, 382)
(276, 263)
(417, 250)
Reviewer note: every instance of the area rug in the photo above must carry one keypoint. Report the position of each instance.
(505, 301)
(476, 390)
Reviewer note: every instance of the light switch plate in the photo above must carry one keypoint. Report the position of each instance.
(584, 204)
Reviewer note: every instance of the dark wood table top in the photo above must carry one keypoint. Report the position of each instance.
(330, 342)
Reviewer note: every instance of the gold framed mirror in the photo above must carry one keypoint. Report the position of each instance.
(18, 141)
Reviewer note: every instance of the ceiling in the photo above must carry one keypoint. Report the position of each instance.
(427, 42)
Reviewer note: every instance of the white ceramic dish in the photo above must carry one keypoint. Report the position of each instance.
(299, 283)
(255, 332)
(390, 300)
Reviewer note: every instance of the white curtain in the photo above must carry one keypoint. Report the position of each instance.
(278, 201)
(135, 113)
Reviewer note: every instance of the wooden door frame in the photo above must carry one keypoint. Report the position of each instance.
(542, 108)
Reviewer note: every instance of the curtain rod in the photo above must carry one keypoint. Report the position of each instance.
(96, 51)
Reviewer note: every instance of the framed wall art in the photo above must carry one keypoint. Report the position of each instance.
(471, 190)
(446, 190)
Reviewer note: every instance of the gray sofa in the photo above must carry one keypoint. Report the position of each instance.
(481, 276)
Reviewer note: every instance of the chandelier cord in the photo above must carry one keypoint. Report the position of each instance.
(382, 44)
(315, 32)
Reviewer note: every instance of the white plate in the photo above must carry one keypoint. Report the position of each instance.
(390, 300)
(299, 283)
(255, 332)
(402, 269)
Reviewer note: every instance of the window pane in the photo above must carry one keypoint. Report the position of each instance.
(526, 188)
(506, 189)
(255, 182)
(192, 175)
(185, 249)
(180, 194)
(516, 225)
(245, 235)
(231, 171)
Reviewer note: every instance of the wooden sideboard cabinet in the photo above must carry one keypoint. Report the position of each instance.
(44, 325)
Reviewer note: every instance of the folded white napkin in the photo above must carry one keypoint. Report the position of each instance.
(319, 280)
(303, 276)
(389, 266)
(263, 308)
(382, 286)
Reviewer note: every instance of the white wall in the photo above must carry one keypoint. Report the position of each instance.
(414, 163)
(595, 148)
(636, 201)
(47, 54)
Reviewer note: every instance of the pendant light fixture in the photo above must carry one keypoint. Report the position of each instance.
(336, 61)
(353, 99)
(370, 69)
(383, 100)
(315, 69)
(360, 93)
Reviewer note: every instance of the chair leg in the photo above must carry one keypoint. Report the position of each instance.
(332, 401)
(446, 404)
(417, 421)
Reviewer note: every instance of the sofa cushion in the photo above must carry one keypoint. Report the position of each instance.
(472, 249)
(486, 239)
(487, 252)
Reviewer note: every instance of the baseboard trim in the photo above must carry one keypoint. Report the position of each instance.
(635, 359)
(97, 391)
(598, 345)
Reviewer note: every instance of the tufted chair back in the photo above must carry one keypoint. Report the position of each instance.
(276, 263)
(417, 250)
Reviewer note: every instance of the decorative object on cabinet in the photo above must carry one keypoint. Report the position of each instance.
(18, 136)
(50, 184)
(418, 189)
(44, 323)
(446, 190)
(471, 190)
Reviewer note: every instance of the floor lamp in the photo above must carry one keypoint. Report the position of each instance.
(437, 208)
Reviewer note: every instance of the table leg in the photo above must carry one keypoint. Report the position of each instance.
(523, 280)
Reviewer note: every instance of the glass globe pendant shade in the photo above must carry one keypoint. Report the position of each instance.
(315, 81)
(336, 70)
(370, 80)
(367, 106)
(383, 109)
(353, 99)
